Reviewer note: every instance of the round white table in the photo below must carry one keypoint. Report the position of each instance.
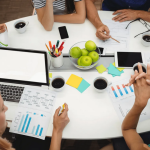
(92, 115)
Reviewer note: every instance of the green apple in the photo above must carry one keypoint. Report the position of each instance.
(90, 46)
(84, 52)
(78, 61)
(75, 52)
(86, 61)
(94, 55)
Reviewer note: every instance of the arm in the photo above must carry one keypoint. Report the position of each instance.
(129, 14)
(78, 17)
(142, 94)
(59, 123)
(45, 15)
(3, 28)
(93, 16)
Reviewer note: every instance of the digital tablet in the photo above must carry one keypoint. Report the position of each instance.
(128, 59)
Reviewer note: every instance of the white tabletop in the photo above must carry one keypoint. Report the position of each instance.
(91, 114)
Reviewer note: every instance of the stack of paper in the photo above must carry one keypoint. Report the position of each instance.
(114, 71)
(77, 82)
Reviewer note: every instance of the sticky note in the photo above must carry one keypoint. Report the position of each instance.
(101, 69)
(50, 75)
(74, 81)
(114, 71)
(83, 86)
(120, 69)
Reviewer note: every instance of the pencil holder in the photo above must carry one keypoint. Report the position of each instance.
(57, 61)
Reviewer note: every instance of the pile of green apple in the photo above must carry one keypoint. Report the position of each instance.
(85, 56)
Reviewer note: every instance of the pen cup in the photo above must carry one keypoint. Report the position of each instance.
(57, 61)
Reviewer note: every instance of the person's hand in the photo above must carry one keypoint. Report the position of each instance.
(3, 28)
(59, 122)
(103, 32)
(125, 15)
(146, 147)
(141, 90)
(141, 75)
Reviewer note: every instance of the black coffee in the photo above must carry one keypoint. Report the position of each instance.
(136, 68)
(146, 38)
(100, 84)
(58, 83)
(20, 25)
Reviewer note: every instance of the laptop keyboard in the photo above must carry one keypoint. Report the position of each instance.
(11, 93)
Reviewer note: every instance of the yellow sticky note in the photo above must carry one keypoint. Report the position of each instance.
(120, 69)
(50, 75)
(74, 81)
(101, 69)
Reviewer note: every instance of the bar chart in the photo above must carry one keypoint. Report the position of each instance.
(118, 90)
(31, 123)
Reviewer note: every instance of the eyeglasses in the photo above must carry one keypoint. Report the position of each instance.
(143, 22)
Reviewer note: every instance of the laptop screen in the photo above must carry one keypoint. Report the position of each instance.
(23, 66)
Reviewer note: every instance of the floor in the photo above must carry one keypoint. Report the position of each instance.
(14, 9)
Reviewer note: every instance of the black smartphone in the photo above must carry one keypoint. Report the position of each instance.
(63, 32)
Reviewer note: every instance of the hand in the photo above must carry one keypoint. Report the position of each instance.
(59, 122)
(141, 90)
(141, 75)
(146, 147)
(3, 28)
(125, 15)
(103, 32)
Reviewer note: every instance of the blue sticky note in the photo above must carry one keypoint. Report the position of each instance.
(114, 71)
(83, 86)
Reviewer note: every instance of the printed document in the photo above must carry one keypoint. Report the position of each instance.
(34, 113)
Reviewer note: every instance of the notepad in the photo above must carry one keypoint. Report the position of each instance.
(83, 86)
(74, 81)
(120, 69)
(101, 69)
(50, 75)
(114, 71)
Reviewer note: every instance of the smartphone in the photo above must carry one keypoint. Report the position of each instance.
(63, 32)
(128, 59)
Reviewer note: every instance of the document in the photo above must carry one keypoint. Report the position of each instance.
(147, 57)
(123, 98)
(33, 113)
(119, 32)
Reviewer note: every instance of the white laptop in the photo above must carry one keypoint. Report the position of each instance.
(21, 67)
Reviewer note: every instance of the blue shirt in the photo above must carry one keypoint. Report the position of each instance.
(114, 5)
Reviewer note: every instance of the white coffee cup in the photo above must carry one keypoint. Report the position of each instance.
(101, 90)
(143, 65)
(23, 29)
(54, 88)
(145, 43)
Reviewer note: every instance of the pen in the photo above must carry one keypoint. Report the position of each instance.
(57, 44)
(61, 110)
(47, 48)
(54, 47)
(61, 45)
(110, 37)
(50, 44)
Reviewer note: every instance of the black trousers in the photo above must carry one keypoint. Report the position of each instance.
(120, 144)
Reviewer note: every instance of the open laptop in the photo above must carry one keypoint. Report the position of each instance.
(21, 67)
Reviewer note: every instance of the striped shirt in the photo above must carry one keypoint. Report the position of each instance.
(59, 6)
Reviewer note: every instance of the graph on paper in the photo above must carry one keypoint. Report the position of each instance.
(34, 113)
(123, 99)
(118, 91)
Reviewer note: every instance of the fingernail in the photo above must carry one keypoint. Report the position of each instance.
(136, 78)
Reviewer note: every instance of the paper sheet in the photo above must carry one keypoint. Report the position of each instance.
(123, 99)
(119, 32)
(34, 113)
(101, 69)
(74, 81)
(83, 86)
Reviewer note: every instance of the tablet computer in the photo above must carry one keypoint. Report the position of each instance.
(128, 59)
